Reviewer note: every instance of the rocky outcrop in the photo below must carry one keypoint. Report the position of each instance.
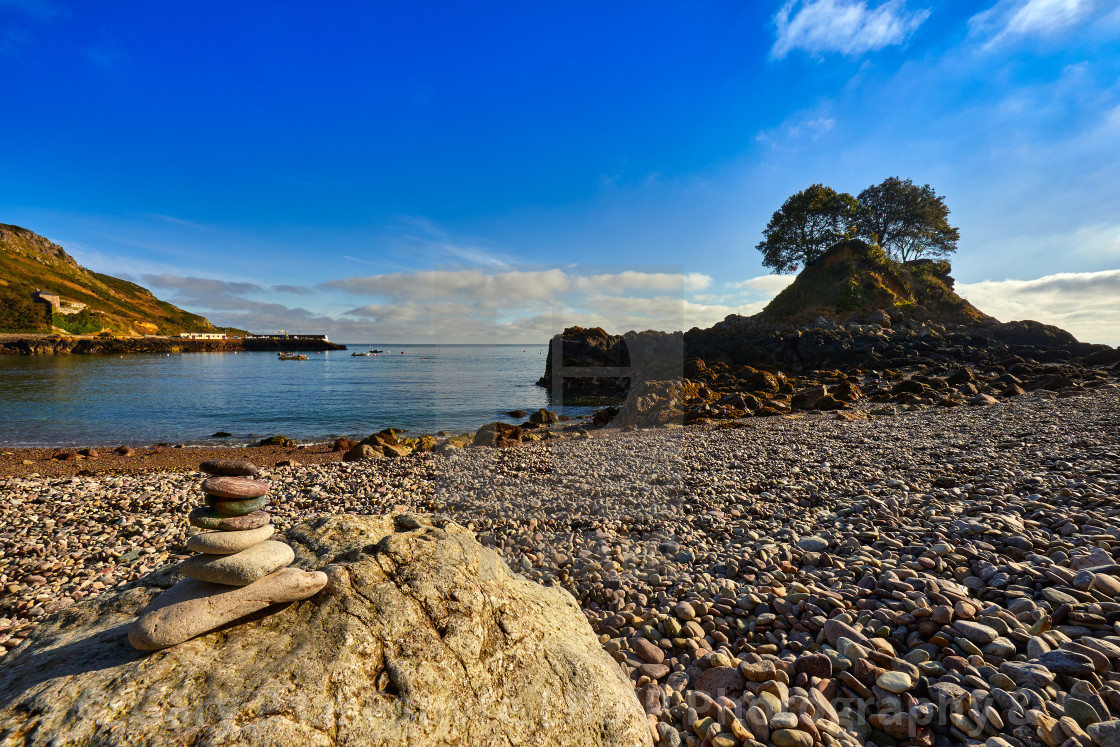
(421, 636)
(831, 344)
(828, 344)
(625, 360)
(851, 309)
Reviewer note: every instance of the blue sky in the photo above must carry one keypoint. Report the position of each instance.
(431, 171)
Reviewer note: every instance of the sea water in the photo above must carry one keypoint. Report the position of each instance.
(107, 400)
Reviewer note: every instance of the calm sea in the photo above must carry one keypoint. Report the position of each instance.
(99, 400)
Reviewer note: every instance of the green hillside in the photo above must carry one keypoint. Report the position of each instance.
(29, 262)
(853, 279)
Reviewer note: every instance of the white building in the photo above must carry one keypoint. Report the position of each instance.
(201, 336)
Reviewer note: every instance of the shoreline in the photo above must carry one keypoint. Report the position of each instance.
(18, 461)
(55, 344)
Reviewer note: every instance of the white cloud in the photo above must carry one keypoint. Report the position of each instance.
(845, 26)
(1011, 18)
(771, 285)
(499, 288)
(200, 286)
(797, 130)
(694, 281)
(1086, 304)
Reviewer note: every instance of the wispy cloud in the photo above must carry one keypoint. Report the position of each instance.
(420, 235)
(845, 26)
(1012, 18)
(768, 284)
(204, 286)
(176, 221)
(800, 128)
(1084, 303)
(499, 287)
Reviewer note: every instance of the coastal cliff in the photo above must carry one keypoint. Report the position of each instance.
(44, 289)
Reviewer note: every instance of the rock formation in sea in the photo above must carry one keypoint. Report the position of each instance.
(847, 328)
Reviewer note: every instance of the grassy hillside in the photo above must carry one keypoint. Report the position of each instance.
(854, 279)
(29, 262)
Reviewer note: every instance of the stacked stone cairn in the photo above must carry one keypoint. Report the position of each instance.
(238, 570)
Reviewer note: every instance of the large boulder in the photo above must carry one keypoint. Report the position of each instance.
(653, 403)
(421, 636)
(498, 435)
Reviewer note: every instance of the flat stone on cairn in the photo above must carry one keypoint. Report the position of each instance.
(234, 469)
(205, 517)
(234, 488)
(223, 543)
(235, 508)
(239, 570)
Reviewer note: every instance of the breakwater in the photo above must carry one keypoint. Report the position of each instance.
(60, 345)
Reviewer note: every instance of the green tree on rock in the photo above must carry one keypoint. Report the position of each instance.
(906, 220)
(806, 225)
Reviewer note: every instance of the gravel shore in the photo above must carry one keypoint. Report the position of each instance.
(19, 462)
(936, 576)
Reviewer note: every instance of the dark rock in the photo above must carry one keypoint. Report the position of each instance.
(231, 468)
(361, 452)
(276, 441)
(342, 445)
(1052, 382)
(807, 399)
(497, 435)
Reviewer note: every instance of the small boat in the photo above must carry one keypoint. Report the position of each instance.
(291, 357)
(359, 355)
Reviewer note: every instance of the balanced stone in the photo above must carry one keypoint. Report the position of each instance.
(205, 517)
(241, 568)
(191, 607)
(235, 508)
(233, 469)
(234, 488)
(225, 543)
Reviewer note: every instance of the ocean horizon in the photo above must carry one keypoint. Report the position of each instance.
(184, 398)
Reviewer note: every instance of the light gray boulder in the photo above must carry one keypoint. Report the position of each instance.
(420, 636)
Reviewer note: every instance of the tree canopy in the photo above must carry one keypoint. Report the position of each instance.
(806, 225)
(906, 220)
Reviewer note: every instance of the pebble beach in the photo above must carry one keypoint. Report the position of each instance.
(936, 576)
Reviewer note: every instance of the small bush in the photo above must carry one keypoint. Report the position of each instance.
(19, 313)
(82, 323)
(850, 297)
